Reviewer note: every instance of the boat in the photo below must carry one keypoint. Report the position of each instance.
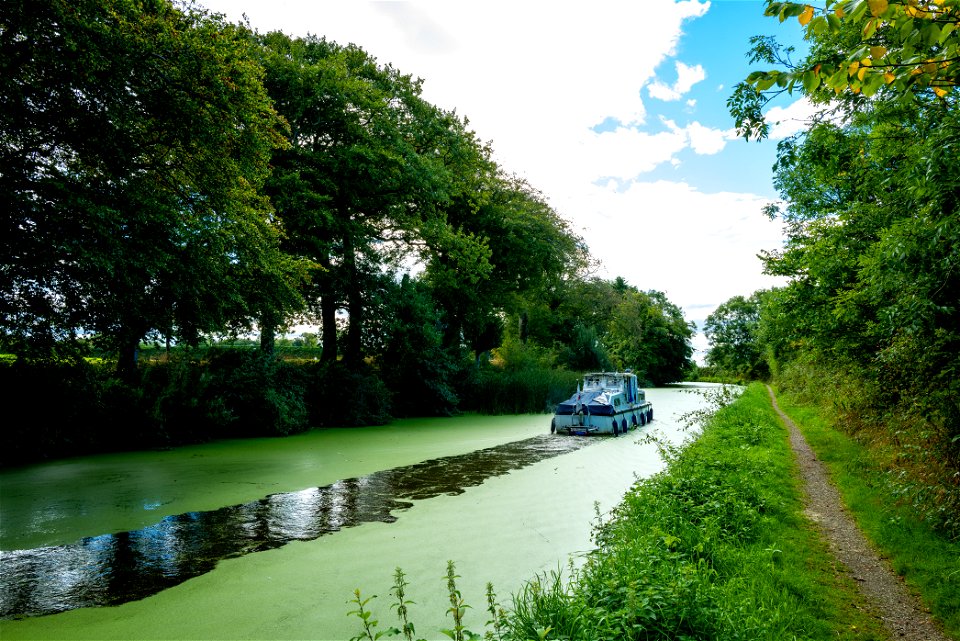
(607, 403)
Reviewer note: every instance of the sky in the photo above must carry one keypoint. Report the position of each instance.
(614, 110)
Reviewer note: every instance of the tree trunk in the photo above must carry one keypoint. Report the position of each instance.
(328, 329)
(127, 359)
(353, 350)
(328, 313)
(268, 334)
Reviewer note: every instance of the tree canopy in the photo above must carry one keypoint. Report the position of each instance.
(136, 137)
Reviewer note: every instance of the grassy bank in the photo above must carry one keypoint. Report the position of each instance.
(891, 511)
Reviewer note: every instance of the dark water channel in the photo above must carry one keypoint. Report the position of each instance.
(115, 568)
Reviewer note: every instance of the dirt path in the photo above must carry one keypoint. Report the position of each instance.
(902, 614)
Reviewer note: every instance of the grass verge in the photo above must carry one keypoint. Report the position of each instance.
(927, 559)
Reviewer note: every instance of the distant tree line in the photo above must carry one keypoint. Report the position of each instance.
(869, 322)
(173, 179)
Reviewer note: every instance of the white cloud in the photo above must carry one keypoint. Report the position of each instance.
(699, 248)
(703, 140)
(687, 76)
(786, 121)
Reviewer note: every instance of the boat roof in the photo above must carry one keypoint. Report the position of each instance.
(610, 374)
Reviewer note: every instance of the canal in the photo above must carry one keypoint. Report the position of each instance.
(268, 538)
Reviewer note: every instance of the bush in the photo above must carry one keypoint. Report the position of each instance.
(342, 396)
(492, 390)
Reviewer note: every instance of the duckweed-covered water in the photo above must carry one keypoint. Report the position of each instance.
(110, 569)
(495, 494)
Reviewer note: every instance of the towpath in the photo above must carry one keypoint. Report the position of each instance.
(902, 613)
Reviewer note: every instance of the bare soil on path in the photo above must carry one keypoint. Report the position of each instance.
(901, 612)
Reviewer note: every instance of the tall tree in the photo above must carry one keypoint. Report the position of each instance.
(135, 136)
(512, 249)
(733, 330)
(369, 167)
(648, 333)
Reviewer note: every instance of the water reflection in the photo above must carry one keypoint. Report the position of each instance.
(116, 568)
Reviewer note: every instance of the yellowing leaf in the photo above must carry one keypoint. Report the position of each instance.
(889, 77)
(862, 73)
(839, 12)
(806, 16)
(878, 52)
(852, 69)
(877, 7)
(866, 62)
(940, 91)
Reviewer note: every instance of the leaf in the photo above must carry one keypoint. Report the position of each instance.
(946, 30)
(878, 7)
(940, 91)
(765, 83)
(806, 16)
(872, 84)
(878, 52)
(889, 77)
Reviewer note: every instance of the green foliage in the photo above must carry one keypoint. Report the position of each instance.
(869, 317)
(733, 332)
(457, 611)
(522, 380)
(596, 324)
(413, 363)
(261, 395)
(902, 440)
(585, 352)
(491, 390)
(345, 395)
(47, 405)
(171, 177)
(906, 51)
(648, 334)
